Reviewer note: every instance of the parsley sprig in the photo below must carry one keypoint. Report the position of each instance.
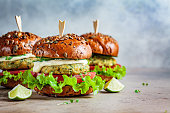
(71, 101)
(137, 91)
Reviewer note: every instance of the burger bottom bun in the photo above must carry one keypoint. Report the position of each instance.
(12, 83)
(48, 90)
(67, 91)
(106, 78)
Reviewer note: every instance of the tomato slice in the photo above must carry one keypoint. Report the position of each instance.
(60, 77)
(13, 72)
(93, 67)
(16, 72)
(78, 77)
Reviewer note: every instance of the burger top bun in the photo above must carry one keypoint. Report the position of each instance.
(69, 46)
(102, 44)
(17, 43)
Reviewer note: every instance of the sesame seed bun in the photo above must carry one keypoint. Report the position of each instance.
(17, 43)
(67, 91)
(69, 46)
(102, 44)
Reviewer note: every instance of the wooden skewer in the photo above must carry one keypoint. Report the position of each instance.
(18, 21)
(61, 27)
(95, 25)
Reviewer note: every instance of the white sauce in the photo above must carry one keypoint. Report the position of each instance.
(38, 65)
(17, 57)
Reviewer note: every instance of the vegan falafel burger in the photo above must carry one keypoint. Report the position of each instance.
(16, 56)
(105, 48)
(63, 69)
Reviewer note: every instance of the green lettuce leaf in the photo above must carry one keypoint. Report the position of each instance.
(117, 72)
(7, 75)
(41, 80)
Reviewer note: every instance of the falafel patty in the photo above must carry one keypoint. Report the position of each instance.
(69, 69)
(102, 60)
(25, 63)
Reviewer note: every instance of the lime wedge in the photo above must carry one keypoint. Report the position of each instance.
(113, 86)
(19, 92)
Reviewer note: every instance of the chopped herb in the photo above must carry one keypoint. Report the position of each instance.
(71, 100)
(137, 91)
(66, 103)
(8, 57)
(21, 55)
(82, 79)
(80, 74)
(77, 100)
(143, 84)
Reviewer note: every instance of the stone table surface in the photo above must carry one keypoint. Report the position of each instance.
(154, 98)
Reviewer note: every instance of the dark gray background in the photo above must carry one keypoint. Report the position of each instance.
(142, 27)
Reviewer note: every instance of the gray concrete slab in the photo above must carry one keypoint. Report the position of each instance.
(154, 98)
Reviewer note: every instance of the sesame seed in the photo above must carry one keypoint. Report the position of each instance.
(15, 36)
(12, 41)
(7, 42)
(70, 43)
(57, 55)
(19, 34)
(15, 49)
(70, 37)
(9, 36)
(38, 43)
(48, 45)
(55, 42)
(24, 37)
(65, 54)
(82, 42)
(16, 42)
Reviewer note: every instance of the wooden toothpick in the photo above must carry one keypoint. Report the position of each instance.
(61, 27)
(95, 25)
(18, 21)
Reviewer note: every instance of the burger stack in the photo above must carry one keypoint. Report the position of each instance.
(16, 56)
(58, 65)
